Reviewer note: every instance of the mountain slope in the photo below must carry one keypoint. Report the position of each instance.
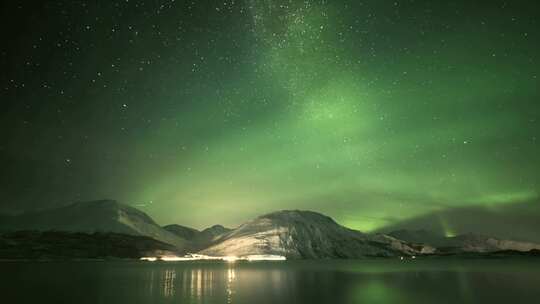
(93, 216)
(184, 232)
(210, 235)
(79, 245)
(420, 236)
(198, 239)
(302, 234)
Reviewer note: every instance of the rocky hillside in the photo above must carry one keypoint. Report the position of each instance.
(303, 234)
(198, 239)
(78, 245)
(294, 234)
(94, 216)
(184, 232)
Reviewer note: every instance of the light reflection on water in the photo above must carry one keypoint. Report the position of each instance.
(168, 282)
(196, 284)
(200, 284)
(377, 281)
(231, 276)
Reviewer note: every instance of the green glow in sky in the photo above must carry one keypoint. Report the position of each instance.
(370, 112)
(364, 137)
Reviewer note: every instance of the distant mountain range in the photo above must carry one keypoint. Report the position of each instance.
(463, 243)
(290, 233)
(94, 216)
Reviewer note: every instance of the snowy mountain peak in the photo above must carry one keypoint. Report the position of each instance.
(299, 234)
(299, 215)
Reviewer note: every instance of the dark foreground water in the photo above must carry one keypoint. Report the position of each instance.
(360, 281)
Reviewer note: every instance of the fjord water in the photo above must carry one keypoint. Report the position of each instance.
(326, 281)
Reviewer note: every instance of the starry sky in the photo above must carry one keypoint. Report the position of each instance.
(202, 112)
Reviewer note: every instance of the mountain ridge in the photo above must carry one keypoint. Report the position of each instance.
(301, 234)
(93, 216)
(198, 240)
(463, 243)
(291, 233)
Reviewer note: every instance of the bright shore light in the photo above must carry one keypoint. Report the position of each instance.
(266, 258)
(230, 259)
(150, 259)
(173, 258)
(200, 257)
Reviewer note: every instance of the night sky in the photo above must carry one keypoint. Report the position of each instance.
(203, 112)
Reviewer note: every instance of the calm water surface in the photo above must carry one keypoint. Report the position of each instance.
(360, 281)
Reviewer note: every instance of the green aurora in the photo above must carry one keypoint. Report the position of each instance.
(371, 112)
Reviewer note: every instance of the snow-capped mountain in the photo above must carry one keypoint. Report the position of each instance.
(93, 216)
(303, 234)
(294, 234)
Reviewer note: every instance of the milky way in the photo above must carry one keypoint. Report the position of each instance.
(372, 112)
